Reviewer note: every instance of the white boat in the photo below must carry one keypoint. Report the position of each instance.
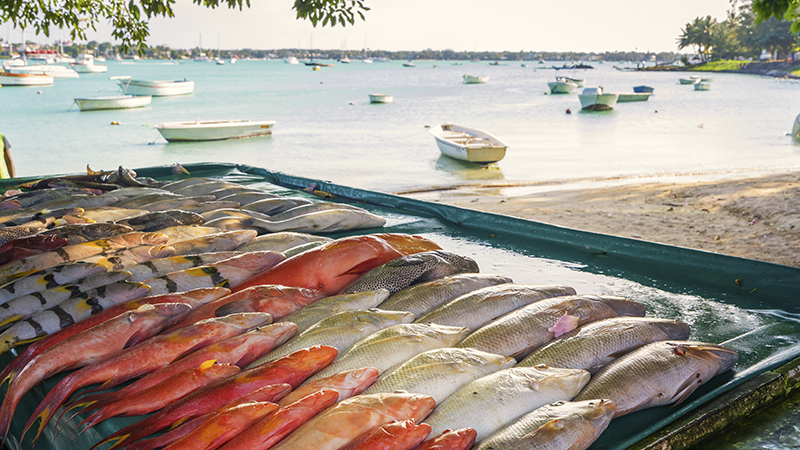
(468, 144)
(291, 60)
(380, 98)
(219, 61)
(690, 80)
(113, 102)
(52, 70)
(409, 64)
(701, 86)
(633, 97)
(580, 82)
(796, 127)
(15, 61)
(470, 79)
(366, 61)
(214, 130)
(84, 63)
(562, 87)
(161, 88)
(595, 99)
(24, 79)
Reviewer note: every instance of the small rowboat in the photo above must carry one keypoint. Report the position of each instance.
(214, 130)
(113, 102)
(381, 98)
(701, 86)
(161, 88)
(468, 144)
(470, 79)
(633, 97)
(596, 99)
(643, 88)
(24, 79)
(562, 87)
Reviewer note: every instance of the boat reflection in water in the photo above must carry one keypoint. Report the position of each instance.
(469, 171)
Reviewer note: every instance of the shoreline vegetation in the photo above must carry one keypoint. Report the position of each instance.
(776, 69)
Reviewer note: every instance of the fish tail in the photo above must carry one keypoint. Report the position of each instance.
(96, 417)
(117, 440)
(47, 408)
(6, 413)
(83, 407)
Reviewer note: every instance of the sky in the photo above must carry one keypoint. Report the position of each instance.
(410, 25)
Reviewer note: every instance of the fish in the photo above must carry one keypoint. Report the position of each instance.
(123, 193)
(273, 206)
(162, 219)
(176, 202)
(560, 425)
(223, 426)
(361, 413)
(392, 346)
(29, 245)
(276, 300)
(110, 214)
(141, 359)
(217, 242)
(96, 344)
(192, 298)
(460, 439)
(328, 306)
(340, 331)
(205, 187)
(402, 272)
(5, 205)
(22, 216)
(240, 350)
(122, 259)
(245, 198)
(661, 373)
(596, 344)
(400, 435)
(68, 312)
(25, 306)
(272, 429)
(229, 273)
(335, 264)
(232, 212)
(498, 399)
(306, 208)
(26, 266)
(283, 374)
(519, 332)
(78, 201)
(329, 221)
(422, 298)
(181, 233)
(186, 182)
(440, 372)
(163, 266)
(162, 394)
(77, 234)
(213, 205)
(347, 384)
(301, 248)
(8, 234)
(479, 307)
(280, 242)
(32, 198)
(139, 201)
(48, 278)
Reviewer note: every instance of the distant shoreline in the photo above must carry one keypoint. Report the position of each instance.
(775, 69)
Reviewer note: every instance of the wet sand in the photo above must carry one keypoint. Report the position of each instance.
(755, 215)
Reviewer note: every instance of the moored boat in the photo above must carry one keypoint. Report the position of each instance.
(85, 63)
(579, 81)
(161, 88)
(562, 87)
(701, 86)
(24, 79)
(643, 88)
(113, 102)
(214, 130)
(472, 79)
(468, 144)
(381, 98)
(53, 70)
(409, 64)
(633, 97)
(690, 80)
(596, 99)
(291, 60)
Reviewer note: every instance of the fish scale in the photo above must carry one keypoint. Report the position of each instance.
(48, 278)
(162, 266)
(328, 306)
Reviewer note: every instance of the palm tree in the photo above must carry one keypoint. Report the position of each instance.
(698, 35)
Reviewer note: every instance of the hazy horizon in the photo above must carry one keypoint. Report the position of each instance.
(414, 25)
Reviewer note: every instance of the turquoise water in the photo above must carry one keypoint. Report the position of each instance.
(327, 129)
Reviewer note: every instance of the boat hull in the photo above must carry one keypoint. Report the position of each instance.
(468, 144)
(562, 87)
(470, 79)
(633, 97)
(24, 79)
(688, 80)
(157, 88)
(381, 98)
(700, 86)
(643, 89)
(54, 71)
(214, 130)
(113, 102)
(598, 102)
(89, 68)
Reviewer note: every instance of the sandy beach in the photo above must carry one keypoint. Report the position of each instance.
(754, 215)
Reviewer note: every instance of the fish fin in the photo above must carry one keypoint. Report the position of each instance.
(546, 433)
(117, 440)
(564, 325)
(687, 388)
(207, 364)
(362, 268)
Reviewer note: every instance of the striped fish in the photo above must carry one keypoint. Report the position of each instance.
(122, 259)
(48, 278)
(163, 266)
(218, 242)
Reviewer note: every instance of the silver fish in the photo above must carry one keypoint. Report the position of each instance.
(402, 272)
(423, 298)
(185, 232)
(273, 206)
(245, 198)
(561, 425)
(206, 188)
(528, 328)
(130, 192)
(163, 266)
(480, 307)
(177, 202)
(339, 331)
(48, 278)
(498, 399)
(140, 201)
(393, 346)
(162, 219)
(596, 344)
(302, 247)
(218, 242)
(280, 242)
(232, 212)
(203, 207)
(77, 234)
(440, 372)
(307, 208)
(186, 182)
(110, 214)
(335, 304)
(657, 374)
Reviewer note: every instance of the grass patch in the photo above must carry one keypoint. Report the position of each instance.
(719, 66)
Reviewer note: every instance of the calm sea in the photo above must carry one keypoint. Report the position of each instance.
(327, 129)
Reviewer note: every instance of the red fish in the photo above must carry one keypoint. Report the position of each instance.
(162, 440)
(270, 430)
(240, 350)
(347, 384)
(193, 298)
(164, 393)
(29, 245)
(278, 301)
(144, 358)
(223, 426)
(292, 370)
(334, 265)
(461, 439)
(93, 345)
(403, 435)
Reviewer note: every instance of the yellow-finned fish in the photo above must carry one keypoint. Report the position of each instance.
(280, 242)
(163, 266)
(217, 242)
(48, 278)
(335, 304)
